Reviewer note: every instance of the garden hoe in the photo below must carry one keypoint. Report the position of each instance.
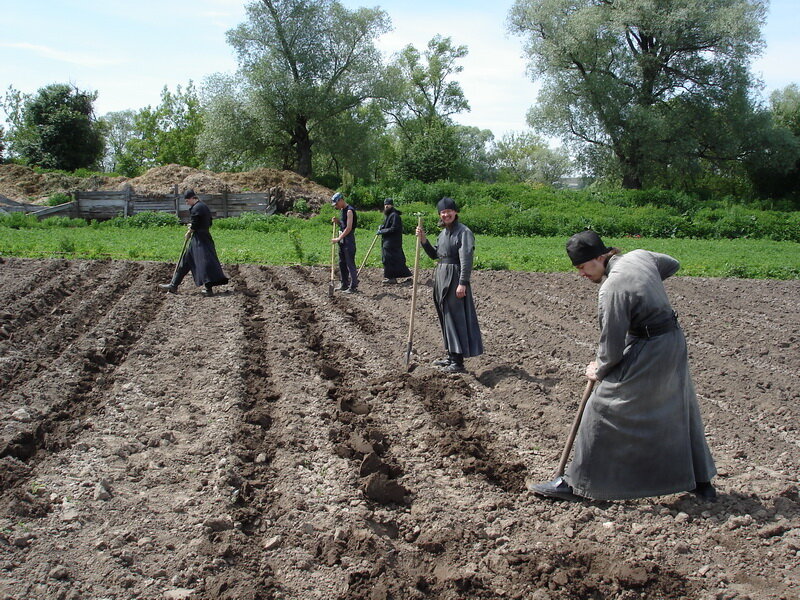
(186, 239)
(366, 256)
(413, 298)
(333, 252)
(574, 431)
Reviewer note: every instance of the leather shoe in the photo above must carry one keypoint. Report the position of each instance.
(558, 488)
(454, 367)
(705, 491)
(207, 292)
(168, 287)
(442, 362)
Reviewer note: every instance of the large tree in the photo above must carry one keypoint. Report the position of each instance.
(651, 84)
(55, 128)
(524, 156)
(305, 63)
(420, 101)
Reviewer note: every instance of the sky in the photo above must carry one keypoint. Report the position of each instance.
(128, 51)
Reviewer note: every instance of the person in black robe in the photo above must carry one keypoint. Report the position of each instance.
(452, 291)
(392, 255)
(201, 255)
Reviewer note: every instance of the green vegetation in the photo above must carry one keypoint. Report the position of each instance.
(281, 240)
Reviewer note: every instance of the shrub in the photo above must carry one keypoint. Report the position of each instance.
(58, 198)
(19, 220)
(141, 220)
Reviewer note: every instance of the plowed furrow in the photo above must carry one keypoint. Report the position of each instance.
(63, 392)
(59, 316)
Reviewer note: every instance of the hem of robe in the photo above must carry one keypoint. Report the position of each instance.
(632, 495)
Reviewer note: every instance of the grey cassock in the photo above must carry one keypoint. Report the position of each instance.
(641, 434)
(454, 250)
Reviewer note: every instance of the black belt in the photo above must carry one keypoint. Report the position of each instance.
(446, 260)
(654, 329)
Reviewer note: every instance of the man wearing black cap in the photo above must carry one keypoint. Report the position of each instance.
(452, 293)
(201, 256)
(641, 433)
(348, 273)
(392, 255)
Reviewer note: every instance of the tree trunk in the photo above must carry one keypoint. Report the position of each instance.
(302, 146)
(631, 181)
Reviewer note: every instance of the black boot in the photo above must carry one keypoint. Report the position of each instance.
(207, 291)
(456, 363)
(169, 287)
(705, 491)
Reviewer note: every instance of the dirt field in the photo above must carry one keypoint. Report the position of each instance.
(268, 443)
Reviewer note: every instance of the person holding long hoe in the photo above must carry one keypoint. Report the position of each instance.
(410, 343)
(452, 288)
(199, 254)
(347, 243)
(640, 433)
(392, 255)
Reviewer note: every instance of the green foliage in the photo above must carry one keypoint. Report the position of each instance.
(642, 88)
(165, 135)
(58, 198)
(302, 63)
(55, 128)
(66, 245)
(142, 220)
(18, 220)
(297, 244)
(301, 206)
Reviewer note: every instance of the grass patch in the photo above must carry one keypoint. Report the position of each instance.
(307, 243)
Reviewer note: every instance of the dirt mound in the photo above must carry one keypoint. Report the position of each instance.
(23, 184)
(269, 443)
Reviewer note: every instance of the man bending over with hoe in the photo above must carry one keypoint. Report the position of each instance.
(641, 433)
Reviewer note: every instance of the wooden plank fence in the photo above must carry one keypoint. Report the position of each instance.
(103, 205)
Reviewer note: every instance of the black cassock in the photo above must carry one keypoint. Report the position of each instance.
(392, 255)
(201, 255)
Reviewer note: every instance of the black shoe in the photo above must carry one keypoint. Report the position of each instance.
(342, 288)
(454, 367)
(350, 291)
(442, 362)
(558, 488)
(389, 280)
(705, 491)
(168, 287)
(207, 292)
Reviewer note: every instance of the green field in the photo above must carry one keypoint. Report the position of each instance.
(308, 244)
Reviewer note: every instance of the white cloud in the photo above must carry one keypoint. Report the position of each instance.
(75, 58)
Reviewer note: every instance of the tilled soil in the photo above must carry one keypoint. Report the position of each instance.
(269, 442)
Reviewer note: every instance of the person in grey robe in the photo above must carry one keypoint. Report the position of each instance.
(641, 433)
(392, 255)
(452, 292)
(201, 255)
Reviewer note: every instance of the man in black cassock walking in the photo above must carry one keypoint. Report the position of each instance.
(392, 255)
(201, 256)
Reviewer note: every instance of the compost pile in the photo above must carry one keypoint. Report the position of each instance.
(269, 443)
(23, 184)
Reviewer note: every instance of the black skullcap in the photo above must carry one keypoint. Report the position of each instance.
(189, 194)
(446, 204)
(585, 246)
(388, 201)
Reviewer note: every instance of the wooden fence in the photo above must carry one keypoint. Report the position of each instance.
(105, 205)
